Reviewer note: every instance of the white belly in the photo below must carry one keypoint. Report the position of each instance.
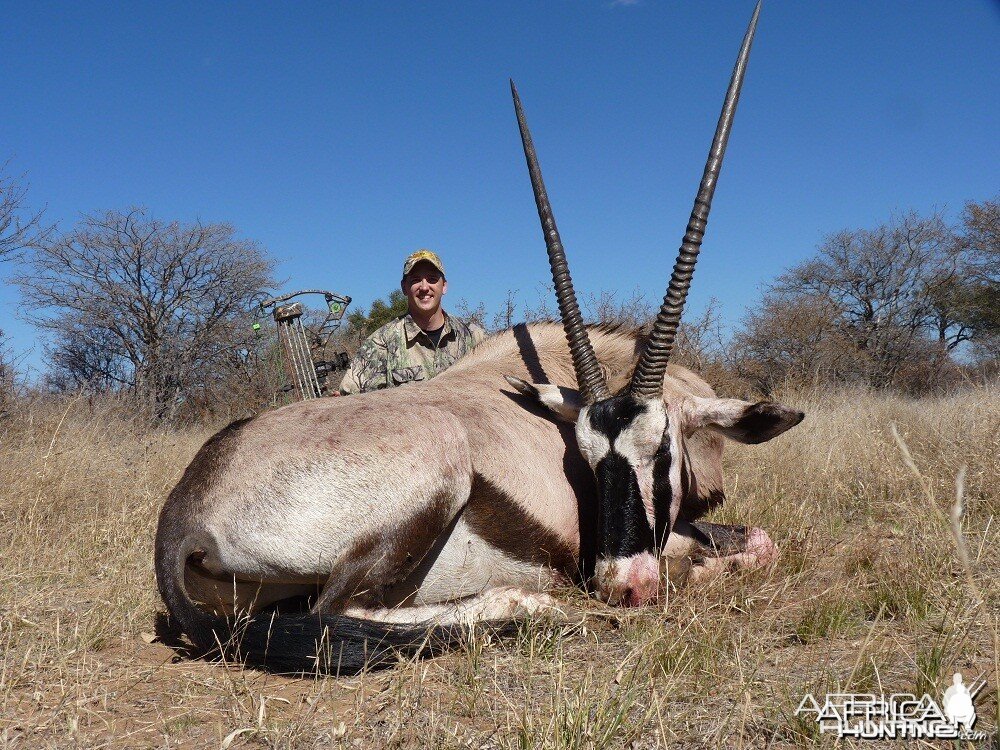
(462, 564)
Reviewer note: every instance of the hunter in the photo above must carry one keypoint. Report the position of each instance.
(416, 346)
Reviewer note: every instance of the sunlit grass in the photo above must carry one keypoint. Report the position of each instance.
(868, 594)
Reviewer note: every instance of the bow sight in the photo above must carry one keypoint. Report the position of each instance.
(301, 344)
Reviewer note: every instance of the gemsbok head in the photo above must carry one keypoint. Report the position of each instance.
(634, 440)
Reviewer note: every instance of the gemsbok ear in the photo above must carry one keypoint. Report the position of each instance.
(743, 421)
(565, 403)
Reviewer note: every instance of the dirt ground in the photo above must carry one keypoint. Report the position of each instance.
(870, 594)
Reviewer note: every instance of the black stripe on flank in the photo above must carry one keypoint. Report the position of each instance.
(498, 519)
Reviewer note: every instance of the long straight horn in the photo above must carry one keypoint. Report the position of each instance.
(588, 372)
(647, 379)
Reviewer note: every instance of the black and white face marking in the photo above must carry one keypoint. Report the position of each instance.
(629, 444)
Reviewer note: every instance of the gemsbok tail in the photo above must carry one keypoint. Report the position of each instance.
(294, 643)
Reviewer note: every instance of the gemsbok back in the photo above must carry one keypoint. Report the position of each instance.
(406, 516)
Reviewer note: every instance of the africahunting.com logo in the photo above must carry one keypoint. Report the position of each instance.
(898, 716)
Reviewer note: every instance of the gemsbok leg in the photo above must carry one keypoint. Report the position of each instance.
(699, 550)
(502, 603)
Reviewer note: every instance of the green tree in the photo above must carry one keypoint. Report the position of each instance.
(979, 237)
(380, 313)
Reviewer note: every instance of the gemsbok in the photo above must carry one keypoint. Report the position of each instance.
(407, 515)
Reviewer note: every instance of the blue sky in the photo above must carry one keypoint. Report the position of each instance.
(344, 135)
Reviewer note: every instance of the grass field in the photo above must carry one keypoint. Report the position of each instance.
(870, 594)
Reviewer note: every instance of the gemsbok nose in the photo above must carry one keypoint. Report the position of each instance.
(631, 581)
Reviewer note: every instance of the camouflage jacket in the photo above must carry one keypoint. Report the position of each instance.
(400, 352)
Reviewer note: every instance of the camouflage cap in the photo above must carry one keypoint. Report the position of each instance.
(423, 254)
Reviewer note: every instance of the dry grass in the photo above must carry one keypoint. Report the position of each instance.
(869, 593)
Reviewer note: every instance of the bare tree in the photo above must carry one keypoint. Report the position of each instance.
(701, 340)
(795, 340)
(6, 377)
(882, 306)
(18, 229)
(470, 314)
(86, 357)
(160, 310)
(605, 307)
(542, 312)
(861, 309)
(506, 316)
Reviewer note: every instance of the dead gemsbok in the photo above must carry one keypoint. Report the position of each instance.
(410, 514)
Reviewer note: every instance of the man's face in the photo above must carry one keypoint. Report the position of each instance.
(424, 286)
